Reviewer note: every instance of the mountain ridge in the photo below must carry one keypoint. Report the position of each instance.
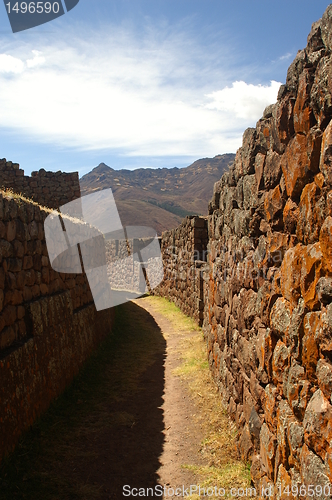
(161, 197)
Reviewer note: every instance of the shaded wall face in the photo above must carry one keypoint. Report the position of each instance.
(48, 322)
(268, 288)
(184, 252)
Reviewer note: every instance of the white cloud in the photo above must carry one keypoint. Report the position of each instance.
(138, 95)
(10, 64)
(37, 59)
(244, 101)
(285, 57)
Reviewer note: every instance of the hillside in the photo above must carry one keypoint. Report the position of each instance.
(159, 198)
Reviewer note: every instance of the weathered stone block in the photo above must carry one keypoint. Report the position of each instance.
(324, 377)
(272, 170)
(320, 95)
(325, 165)
(311, 272)
(284, 120)
(317, 424)
(273, 204)
(296, 388)
(326, 28)
(311, 214)
(284, 416)
(325, 240)
(295, 436)
(267, 450)
(259, 168)
(324, 290)
(280, 317)
(295, 165)
(303, 114)
(245, 444)
(280, 362)
(11, 230)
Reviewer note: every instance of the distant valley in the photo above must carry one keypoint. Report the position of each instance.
(159, 198)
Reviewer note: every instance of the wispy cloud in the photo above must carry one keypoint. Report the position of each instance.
(37, 60)
(285, 57)
(152, 94)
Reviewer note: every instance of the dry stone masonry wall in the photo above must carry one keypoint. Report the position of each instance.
(48, 322)
(184, 253)
(268, 288)
(257, 273)
(46, 188)
(124, 264)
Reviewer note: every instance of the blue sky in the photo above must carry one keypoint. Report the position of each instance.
(144, 83)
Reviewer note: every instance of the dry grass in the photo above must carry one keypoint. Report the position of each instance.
(8, 193)
(19, 197)
(222, 469)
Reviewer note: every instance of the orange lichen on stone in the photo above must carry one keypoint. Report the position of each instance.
(302, 112)
(277, 245)
(290, 216)
(325, 165)
(294, 165)
(284, 120)
(291, 273)
(317, 424)
(300, 272)
(311, 214)
(310, 273)
(310, 354)
(325, 240)
(273, 203)
(319, 180)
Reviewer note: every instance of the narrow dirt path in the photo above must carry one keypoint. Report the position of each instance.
(183, 434)
(130, 419)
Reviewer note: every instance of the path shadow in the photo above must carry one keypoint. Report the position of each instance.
(129, 453)
(106, 430)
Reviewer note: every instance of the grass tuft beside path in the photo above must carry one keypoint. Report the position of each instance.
(222, 469)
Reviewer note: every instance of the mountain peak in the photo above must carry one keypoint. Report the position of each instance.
(102, 168)
(161, 197)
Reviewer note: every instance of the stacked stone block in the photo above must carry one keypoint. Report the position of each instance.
(48, 322)
(268, 283)
(268, 321)
(126, 268)
(45, 188)
(184, 252)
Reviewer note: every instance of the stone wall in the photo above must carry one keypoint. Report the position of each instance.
(184, 253)
(46, 188)
(268, 287)
(48, 322)
(124, 263)
(268, 320)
